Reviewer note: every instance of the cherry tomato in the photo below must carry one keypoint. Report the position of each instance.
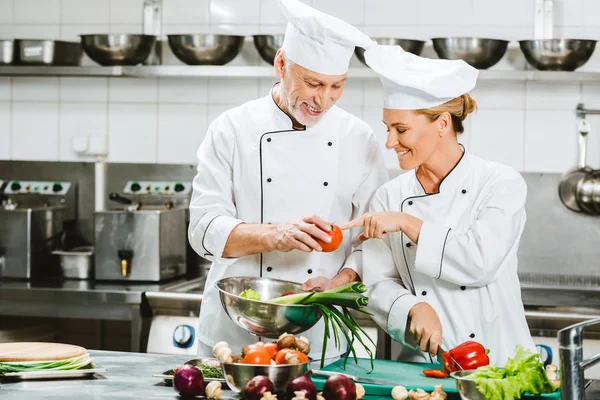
(288, 294)
(257, 355)
(336, 239)
(435, 373)
(280, 356)
(253, 346)
(272, 349)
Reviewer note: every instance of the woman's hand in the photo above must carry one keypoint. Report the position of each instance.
(426, 327)
(376, 224)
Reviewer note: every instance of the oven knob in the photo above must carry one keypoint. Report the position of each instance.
(15, 186)
(135, 187)
(57, 187)
(179, 187)
(183, 336)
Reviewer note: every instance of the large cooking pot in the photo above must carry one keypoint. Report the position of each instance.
(573, 182)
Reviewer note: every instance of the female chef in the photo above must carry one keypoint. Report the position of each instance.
(442, 268)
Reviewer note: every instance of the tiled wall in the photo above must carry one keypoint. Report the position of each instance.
(530, 126)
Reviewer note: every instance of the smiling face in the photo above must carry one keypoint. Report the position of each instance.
(307, 95)
(414, 137)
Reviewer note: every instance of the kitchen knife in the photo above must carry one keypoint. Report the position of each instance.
(358, 379)
(442, 351)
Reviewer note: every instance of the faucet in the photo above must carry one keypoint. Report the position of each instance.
(570, 348)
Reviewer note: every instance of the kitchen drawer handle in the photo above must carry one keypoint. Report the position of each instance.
(559, 315)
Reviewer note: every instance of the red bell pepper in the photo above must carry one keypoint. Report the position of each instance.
(468, 355)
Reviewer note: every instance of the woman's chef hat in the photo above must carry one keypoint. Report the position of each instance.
(318, 41)
(411, 82)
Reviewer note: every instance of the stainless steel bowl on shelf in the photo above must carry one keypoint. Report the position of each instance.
(557, 54)
(267, 46)
(206, 49)
(46, 52)
(410, 45)
(237, 374)
(118, 49)
(262, 318)
(480, 53)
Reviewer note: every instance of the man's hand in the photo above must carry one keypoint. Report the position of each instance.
(376, 224)
(426, 327)
(300, 234)
(321, 283)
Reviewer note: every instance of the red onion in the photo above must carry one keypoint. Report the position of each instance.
(256, 386)
(188, 381)
(302, 384)
(338, 387)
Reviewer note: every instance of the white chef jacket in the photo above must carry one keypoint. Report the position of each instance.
(254, 167)
(465, 262)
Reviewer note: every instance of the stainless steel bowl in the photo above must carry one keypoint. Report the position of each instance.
(410, 45)
(206, 49)
(267, 46)
(237, 374)
(46, 52)
(467, 388)
(478, 52)
(77, 263)
(6, 51)
(557, 54)
(260, 317)
(118, 49)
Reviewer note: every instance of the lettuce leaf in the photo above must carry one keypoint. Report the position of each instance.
(250, 294)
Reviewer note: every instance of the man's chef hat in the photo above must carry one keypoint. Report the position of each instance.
(318, 41)
(411, 82)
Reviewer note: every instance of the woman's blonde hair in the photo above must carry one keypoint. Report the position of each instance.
(458, 109)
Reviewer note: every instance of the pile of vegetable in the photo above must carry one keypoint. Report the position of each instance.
(81, 362)
(522, 373)
(337, 387)
(188, 381)
(335, 304)
(210, 368)
(400, 393)
(288, 349)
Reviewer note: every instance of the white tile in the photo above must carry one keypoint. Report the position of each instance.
(435, 30)
(356, 110)
(353, 93)
(234, 29)
(131, 90)
(404, 31)
(4, 130)
(37, 11)
(591, 13)
(350, 11)
(273, 29)
(266, 85)
(124, 12)
(372, 116)
(37, 31)
(7, 31)
(181, 129)
(215, 110)
(85, 12)
(80, 119)
(590, 95)
(571, 32)
(497, 135)
(34, 131)
(551, 96)
(35, 89)
(234, 12)
(132, 133)
(182, 90)
(72, 32)
(84, 89)
(125, 28)
(5, 90)
(385, 12)
(232, 91)
(6, 11)
(373, 93)
(190, 12)
(184, 29)
(568, 12)
(499, 95)
(465, 137)
(593, 64)
(436, 12)
(270, 13)
(248, 55)
(550, 141)
(513, 33)
(506, 13)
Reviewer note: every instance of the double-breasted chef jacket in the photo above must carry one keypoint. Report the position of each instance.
(254, 167)
(465, 262)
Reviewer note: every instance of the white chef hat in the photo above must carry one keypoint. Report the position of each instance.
(318, 41)
(411, 82)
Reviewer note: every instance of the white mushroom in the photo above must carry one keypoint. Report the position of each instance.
(360, 391)
(268, 396)
(420, 394)
(438, 393)
(399, 393)
(299, 395)
(223, 353)
(551, 371)
(320, 396)
(213, 390)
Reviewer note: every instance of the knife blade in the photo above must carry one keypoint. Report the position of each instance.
(358, 379)
(442, 351)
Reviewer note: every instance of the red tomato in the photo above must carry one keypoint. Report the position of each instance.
(280, 357)
(336, 239)
(272, 349)
(257, 355)
(435, 373)
(253, 346)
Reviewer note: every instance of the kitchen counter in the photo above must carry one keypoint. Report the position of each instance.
(128, 377)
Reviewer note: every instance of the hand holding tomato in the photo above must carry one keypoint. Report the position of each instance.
(336, 236)
(301, 234)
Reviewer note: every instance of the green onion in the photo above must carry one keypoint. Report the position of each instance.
(61, 365)
(351, 300)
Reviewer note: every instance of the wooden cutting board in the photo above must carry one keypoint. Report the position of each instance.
(38, 351)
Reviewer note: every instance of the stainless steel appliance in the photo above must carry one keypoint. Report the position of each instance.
(145, 239)
(32, 215)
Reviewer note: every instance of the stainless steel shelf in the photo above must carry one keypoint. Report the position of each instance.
(267, 72)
